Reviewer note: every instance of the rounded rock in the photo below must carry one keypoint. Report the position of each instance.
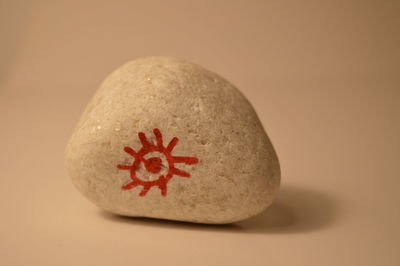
(165, 138)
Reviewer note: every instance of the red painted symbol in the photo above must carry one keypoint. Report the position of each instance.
(152, 155)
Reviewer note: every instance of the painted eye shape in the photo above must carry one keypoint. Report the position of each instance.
(154, 164)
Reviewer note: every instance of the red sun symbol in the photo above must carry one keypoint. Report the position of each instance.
(155, 165)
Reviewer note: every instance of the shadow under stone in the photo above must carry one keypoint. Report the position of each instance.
(295, 210)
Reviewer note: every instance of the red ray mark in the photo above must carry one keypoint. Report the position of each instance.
(130, 151)
(158, 135)
(172, 144)
(179, 172)
(154, 164)
(124, 167)
(186, 160)
(143, 140)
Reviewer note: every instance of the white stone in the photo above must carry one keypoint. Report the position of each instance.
(234, 171)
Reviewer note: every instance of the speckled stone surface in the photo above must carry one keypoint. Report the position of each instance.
(233, 172)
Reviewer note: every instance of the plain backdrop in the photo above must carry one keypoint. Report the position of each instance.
(322, 75)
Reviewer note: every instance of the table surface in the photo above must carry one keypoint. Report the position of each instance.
(322, 75)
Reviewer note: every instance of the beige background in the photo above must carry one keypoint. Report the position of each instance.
(323, 76)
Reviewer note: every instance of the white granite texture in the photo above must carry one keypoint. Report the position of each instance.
(236, 173)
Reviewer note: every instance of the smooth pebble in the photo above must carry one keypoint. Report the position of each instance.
(165, 138)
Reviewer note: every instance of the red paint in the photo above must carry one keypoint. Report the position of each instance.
(154, 164)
